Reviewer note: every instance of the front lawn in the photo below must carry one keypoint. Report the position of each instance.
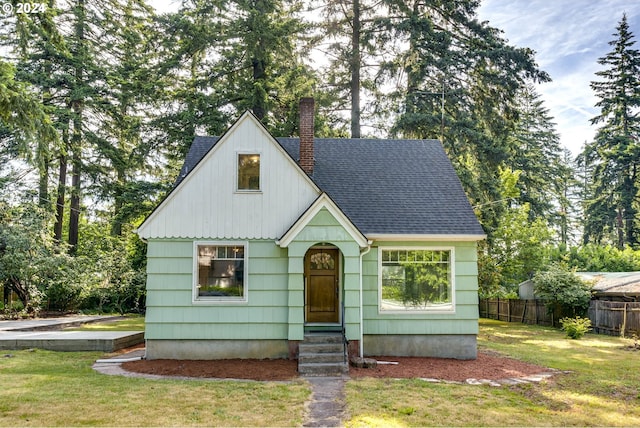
(46, 388)
(128, 323)
(603, 388)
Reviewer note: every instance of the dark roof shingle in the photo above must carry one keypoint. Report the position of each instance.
(383, 186)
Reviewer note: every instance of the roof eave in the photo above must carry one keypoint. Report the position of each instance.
(425, 237)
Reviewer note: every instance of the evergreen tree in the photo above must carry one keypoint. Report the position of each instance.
(127, 95)
(615, 152)
(546, 178)
(348, 45)
(189, 104)
(261, 67)
(567, 188)
(223, 57)
(455, 79)
(25, 109)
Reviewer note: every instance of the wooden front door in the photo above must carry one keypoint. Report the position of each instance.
(322, 295)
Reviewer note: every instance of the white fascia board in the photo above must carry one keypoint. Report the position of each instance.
(190, 174)
(227, 134)
(424, 238)
(323, 201)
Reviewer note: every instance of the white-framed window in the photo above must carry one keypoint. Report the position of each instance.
(248, 172)
(416, 279)
(220, 272)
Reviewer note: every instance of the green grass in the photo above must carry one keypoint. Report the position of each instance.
(45, 388)
(603, 388)
(130, 323)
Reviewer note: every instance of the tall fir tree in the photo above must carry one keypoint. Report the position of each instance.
(26, 93)
(567, 188)
(614, 155)
(455, 79)
(347, 44)
(537, 154)
(125, 101)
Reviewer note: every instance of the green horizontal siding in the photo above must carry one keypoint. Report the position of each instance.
(208, 314)
(221, 331)
(172, 265)
(168, 281)
(275, 307)
(171, 314)
(463, 321)
(418, 327)
(170, 249)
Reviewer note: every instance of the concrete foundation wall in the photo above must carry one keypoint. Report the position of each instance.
(216, 349)
(462, 347)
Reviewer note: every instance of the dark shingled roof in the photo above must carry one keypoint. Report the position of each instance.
(383, 186)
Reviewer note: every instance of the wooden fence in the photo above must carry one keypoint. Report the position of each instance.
(606, 317)
(615, 317)
(513, 310)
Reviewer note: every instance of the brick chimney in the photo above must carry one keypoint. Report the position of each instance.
(307, 116)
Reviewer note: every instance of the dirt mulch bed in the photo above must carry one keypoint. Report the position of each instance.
(486, 366)
(272, 370)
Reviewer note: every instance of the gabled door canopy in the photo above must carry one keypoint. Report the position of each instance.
(323, 201)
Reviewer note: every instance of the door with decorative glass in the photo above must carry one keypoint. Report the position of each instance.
(322, 293)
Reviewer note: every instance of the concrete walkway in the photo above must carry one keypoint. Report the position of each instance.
(327, 405)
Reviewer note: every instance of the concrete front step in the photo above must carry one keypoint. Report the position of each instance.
(323, 369)
(320, 348)
(322, 354)
(323, 338)
(334, 357)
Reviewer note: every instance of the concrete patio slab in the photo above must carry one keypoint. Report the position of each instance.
(106, 341)
(53, 323)
(47, 333)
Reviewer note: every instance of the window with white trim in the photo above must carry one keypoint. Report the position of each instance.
(249, 172)
(416, 279)
(220, 272)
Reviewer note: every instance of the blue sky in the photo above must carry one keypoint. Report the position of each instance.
(568, 36)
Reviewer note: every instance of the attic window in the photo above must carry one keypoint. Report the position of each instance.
(249, 172)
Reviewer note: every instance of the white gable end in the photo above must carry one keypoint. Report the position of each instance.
(207, 203)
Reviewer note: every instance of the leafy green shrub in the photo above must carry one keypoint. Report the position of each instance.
(576, 327)
(63, 296)
(29, 259)
(116, 282)
(564, 292)
(599, 258)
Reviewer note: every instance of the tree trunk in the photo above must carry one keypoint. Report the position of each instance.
(258, 61)
(77, 104)
(15, 285)
(62, 185)
(74, 209)
(43, 181)
(116, 224)
(355, 71)
(620, 227)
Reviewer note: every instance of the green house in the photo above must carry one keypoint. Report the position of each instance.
(264, 240)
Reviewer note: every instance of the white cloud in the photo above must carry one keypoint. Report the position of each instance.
(568, 36)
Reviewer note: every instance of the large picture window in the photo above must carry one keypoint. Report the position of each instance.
(416, 279)
(220, 272)
(249, 172)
